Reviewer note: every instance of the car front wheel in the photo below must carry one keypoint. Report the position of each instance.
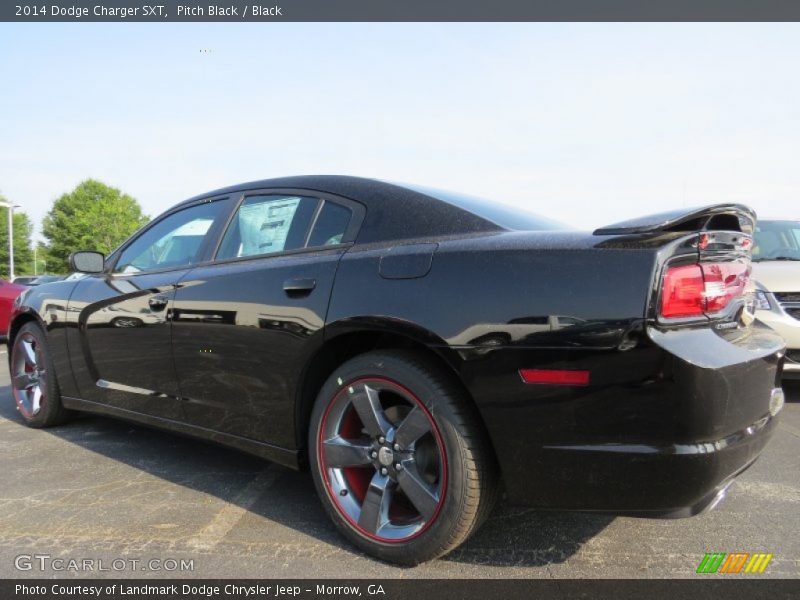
(33, 379)
(399, 457)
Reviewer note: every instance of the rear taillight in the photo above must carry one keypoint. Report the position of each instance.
(702, 289)
(682, 292)
(724, 282)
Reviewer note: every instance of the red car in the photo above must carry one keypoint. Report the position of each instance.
(8, 293)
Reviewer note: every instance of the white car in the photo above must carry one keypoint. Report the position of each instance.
(776, 269)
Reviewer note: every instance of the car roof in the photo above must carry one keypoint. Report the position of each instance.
(394, 212)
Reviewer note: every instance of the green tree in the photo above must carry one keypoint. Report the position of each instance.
(93, 216)
(23, 253)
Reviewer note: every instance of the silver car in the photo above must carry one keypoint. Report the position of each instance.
(776, 269)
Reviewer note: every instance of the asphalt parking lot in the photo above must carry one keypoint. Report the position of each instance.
(101, 489)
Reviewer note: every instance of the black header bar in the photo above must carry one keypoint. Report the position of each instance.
(398, 10)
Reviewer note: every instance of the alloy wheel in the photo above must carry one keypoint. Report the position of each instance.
(29, 375)
(382, 460)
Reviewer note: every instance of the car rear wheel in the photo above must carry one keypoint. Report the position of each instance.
(33, 379)
(399, 457)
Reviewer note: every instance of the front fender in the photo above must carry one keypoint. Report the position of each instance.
(47, 305)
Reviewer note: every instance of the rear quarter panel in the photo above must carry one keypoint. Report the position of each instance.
(506, 284)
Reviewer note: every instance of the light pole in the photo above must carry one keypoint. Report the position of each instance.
(10, 207)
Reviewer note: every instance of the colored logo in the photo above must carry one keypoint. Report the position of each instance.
(736, 562)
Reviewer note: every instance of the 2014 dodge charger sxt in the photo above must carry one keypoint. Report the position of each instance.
(418, 349)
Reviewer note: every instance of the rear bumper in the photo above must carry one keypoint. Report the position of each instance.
(661, 430)
(665, 482)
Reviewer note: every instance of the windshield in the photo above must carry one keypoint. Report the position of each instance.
(777, 240)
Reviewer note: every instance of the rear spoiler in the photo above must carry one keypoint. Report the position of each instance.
(717, 217)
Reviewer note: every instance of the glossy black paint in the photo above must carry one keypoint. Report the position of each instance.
(740, 217)
(104, 348)
(234, 351)
(240, 339)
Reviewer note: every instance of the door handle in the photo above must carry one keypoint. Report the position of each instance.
(299, 286)
(157, 303)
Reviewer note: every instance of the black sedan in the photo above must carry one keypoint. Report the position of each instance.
(419, 350)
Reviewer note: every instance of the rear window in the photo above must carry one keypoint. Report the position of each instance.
(507, 217)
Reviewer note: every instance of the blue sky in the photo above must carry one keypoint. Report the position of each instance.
(585, 123)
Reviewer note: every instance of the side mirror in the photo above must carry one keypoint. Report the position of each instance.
(87, 261)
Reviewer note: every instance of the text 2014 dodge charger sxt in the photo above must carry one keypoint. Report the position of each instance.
(419, 349)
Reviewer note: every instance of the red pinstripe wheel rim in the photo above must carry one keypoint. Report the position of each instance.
(382, 460)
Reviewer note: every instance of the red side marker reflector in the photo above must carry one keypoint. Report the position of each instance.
(555, 376)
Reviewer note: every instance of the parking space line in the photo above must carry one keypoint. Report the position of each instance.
(790, 429)
(226, 519)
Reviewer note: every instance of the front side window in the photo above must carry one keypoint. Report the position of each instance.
(173, 242)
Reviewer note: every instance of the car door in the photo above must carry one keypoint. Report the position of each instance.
(121, 348)
(244, 325)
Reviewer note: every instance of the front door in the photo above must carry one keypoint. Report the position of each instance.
(121, 348)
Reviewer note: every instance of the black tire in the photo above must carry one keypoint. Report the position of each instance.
(462, 480)
(50, 411)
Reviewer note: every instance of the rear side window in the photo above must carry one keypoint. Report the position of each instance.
(268, 223)
(331, 225)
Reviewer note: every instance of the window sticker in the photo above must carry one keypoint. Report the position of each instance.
(264, 226)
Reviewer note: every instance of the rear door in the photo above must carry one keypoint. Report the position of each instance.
(121, 347)
(245, 325)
